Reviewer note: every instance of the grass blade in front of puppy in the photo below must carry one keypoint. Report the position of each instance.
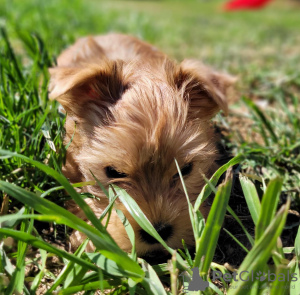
(261, 215)
(42, 267)
(250, 239)
(5, 266)
(251, 197)
(186, 254)
(92, 281)
(129, 231)
(295, 289)
(100, 240)
(110, 197)
(206, 191)
(107, 266)
(77, 272)
(268, 206)
(131, 286)
(297, 245)
(236, 240)
(174, 275)
(26, 227)
(17, 280)
(35, 242)
(101, 185)
(195, 216)
(91, 286)
(139, 216)
(151, 280)
(257, 258)
(281, 287)
(57, 188)
(208, 240)
(68, 187)
(67, 268)
(102, 236)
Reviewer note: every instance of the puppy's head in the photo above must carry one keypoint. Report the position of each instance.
(131, 123)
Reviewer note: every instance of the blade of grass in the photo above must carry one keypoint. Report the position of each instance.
(251, 197)
(194, 218)
(5, 263)
(101, 240)
(132, 287)
(90, 286)
(151, 281)
(108, 265)
(206, 191)
(138, 215)
(281, 287)
(68, 187)
(12, 56)
(241, 225)
(268, 206)
(258, 256)
(29, 239)
(16, 284)
(129, 231)
(57, 188)
(67, 268)
(295, 287)
(236, 240)
(297, 245)
(261, 116)
(74, 276)
(208, 241)
(37, 280)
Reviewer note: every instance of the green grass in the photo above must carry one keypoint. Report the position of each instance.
(261, 48)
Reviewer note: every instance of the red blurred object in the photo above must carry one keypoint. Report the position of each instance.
(245, 4)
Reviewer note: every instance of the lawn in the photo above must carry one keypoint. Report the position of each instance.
(254, 220)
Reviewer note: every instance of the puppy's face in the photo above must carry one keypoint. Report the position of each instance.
(131, 123)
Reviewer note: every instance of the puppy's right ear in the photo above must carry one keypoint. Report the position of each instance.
(88, 91)
(205, 89)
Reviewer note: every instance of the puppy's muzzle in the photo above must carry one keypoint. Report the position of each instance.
(163, 229)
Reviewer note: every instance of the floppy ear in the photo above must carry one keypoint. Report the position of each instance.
(205, 89)
(87, 92)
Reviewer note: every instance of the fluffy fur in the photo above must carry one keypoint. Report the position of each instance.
(135, 111)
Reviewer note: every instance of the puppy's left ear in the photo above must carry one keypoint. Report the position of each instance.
(204, 88)
(87, 91)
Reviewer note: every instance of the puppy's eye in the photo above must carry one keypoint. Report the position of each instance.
(185, 170)
(111, 172)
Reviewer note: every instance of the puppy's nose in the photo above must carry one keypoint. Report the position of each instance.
(163, 229)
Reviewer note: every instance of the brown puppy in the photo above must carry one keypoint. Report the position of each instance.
(135, 111)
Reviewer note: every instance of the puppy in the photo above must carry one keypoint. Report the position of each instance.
(135, 111)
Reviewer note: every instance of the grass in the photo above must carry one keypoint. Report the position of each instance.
(261, 48)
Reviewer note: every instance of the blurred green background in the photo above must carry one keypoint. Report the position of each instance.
(241, 41)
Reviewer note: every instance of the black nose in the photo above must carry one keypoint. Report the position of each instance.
(156, 257)
(164, 230)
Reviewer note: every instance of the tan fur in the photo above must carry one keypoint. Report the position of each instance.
(136, 110)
